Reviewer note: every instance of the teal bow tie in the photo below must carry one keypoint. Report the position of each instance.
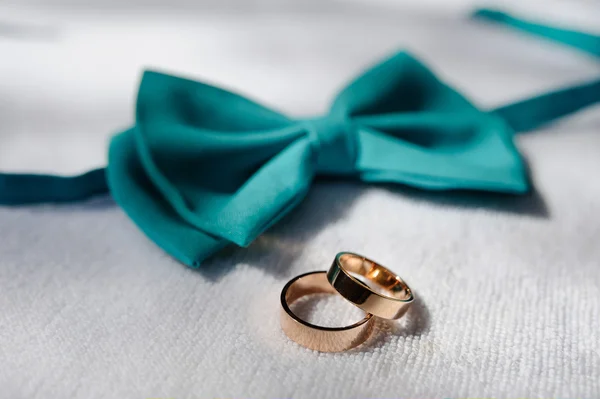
(204, 167)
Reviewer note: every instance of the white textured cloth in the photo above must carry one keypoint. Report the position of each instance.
(508, 287)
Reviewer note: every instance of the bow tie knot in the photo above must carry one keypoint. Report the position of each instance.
(334, 140)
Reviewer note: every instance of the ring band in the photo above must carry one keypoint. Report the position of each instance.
(391, 296)
(323, 339)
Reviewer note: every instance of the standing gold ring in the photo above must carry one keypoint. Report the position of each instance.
(370, 286)
(324, 339)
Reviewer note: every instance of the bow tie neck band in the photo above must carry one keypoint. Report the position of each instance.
(203, 168)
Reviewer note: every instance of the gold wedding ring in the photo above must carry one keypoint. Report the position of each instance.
(370, 286)
(324, 339)
(365, 283)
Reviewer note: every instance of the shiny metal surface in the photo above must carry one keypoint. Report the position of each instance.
(369, 285)
(323, 339)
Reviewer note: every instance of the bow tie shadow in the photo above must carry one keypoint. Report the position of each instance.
(530, 204)
(330, 201)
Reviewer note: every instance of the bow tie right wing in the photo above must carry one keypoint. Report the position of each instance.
(413, 129)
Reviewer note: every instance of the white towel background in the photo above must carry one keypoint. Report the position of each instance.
(508, 287)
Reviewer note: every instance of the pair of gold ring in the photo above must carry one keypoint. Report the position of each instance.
(365, 283)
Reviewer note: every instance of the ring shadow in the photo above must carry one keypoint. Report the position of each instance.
(415, 323)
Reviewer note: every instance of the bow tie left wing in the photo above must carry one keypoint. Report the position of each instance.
(413, 129)
(134, 191)
(204, 167)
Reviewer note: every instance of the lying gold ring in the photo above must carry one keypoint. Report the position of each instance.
(383, 293)
(324, 339)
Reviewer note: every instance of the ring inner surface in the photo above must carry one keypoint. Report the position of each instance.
(375, 276)
(311, 284)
